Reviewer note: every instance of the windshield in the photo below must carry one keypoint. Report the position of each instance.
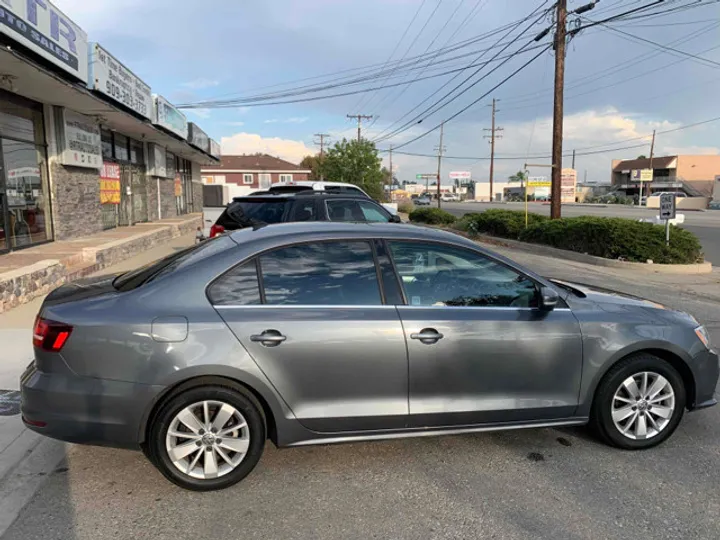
(251, 212)
(171, 263)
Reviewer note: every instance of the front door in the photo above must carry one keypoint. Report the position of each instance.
(321, 333)
(479, 348)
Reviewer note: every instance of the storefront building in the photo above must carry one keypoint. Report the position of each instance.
(85, 145)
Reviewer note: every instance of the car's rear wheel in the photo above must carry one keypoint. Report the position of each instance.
(208, 437)
(639, 403)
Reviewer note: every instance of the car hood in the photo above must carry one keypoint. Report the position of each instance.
(81, 290)
(602, 295)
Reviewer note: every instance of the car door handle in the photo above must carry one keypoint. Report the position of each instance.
(269, 338)
(428, 336)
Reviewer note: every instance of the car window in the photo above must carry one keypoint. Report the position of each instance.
(304, 211)
(355, 210)
(323, 273)
(238, 287)
(248, 212)
(441, 275)
(344, 189)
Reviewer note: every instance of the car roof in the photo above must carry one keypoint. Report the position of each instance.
(301, 195)
(327, 230)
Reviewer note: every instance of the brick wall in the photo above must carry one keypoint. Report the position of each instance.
(152, 198)
(75, 201)
(197, 197)
(167, 198)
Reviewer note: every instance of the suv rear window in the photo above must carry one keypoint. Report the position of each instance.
(249, 212)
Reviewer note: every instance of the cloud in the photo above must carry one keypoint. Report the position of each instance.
(272, 121)
(291, 120)
(250, 143)
(236, 124)
(200, 83)
(200, 113)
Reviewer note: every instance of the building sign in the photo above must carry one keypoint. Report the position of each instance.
(538, 181)
(568, 183)
(178, 186)
(110, 183)
(461, 175)
(431, 176)
(198, 138)
(157, 165)
(23, 172)
(111, 78)
(45, 30)
(169, 117)
(641, 175)
(215, 149)
(82, 144)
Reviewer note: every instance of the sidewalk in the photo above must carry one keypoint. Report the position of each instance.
(32, 272)
(26, 458)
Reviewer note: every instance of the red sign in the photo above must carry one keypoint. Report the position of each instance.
(110, 183)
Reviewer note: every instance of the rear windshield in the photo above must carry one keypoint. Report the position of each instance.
(247, 212)
(172, 263)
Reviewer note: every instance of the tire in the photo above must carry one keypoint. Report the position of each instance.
(614, 400)
(210, 471)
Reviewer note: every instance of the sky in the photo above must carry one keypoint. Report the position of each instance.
(618, 87)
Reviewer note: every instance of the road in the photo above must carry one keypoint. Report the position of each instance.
(706, 225)
(543, 483)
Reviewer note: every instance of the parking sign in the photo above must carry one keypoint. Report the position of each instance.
(667, 206)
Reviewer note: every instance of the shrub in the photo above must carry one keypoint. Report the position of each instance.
(432, 216)
(503, 223)
(406, 207)
(615, 238)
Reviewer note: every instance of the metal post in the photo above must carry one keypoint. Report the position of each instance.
(667, 232)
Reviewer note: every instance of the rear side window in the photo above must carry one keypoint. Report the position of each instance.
(323, 273)
(248, 212)
(304, 211)
(238, 287)
(356, 210)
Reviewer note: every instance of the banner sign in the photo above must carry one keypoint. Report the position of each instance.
(45, 30)
(215, 149)
(642, 175)
(568, 183)
(23, 172)
(110, 183)
(198, 138)
(538, 181)
(109, 77)
(83, 147)
(178, 186)
(168, 117)
(461, 175)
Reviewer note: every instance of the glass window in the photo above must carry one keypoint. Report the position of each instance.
(121, 147)
(24, 194)
(304, 211)
(286, 178)
(137, 152)
(107, 143)
(247, 212)
(21, 119)
(239, 287)
(171, 166)
(247, 178)
(356, 210)
(324, 273)
(441, 275)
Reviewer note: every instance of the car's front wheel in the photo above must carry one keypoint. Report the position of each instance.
(208, 437)
(639, 403)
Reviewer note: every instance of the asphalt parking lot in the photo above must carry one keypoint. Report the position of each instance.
(705, 225)
(545, 483)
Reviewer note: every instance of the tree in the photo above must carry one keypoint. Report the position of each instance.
(312, 163)
(519, 176)
(356, 163)
(642, 156)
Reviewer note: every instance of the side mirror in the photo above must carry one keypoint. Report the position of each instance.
(395, 219)
(548, 299)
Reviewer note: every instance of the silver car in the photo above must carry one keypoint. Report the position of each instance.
(310, 333)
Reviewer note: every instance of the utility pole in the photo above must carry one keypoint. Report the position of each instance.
(652, 171)
(321, 144)
(493, 135)
(360, 118)
(440, 150)
(387, 195)
(557, 143)
(573, 161)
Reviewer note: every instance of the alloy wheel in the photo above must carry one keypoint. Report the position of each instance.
(207, 439)
(643, 405)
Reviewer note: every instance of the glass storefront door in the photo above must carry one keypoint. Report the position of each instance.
(24, 194)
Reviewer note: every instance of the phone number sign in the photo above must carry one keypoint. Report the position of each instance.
(111, 78)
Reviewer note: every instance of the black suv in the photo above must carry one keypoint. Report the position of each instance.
(306, 205)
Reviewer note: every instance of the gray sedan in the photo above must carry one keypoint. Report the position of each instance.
(317, 333)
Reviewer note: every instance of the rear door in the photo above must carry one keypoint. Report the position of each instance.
(313, 317)
(480, 350)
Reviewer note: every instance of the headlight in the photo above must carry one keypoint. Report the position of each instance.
(703, 336)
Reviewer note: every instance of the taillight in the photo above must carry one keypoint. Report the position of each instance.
(50, 335)
(216, 229)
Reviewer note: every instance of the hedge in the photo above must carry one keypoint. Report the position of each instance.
(616, 238)
(502, 223)
(432, 216)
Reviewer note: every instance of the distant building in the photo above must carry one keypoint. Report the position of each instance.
(248, 173)
(693, 175)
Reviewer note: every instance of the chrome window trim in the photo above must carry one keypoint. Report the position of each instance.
(377, 306)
